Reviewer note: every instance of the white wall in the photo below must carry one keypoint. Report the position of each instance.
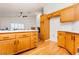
(52, 7)
(38, 20)
(55, 24)
(28, 21)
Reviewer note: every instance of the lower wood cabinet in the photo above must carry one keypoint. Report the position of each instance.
(7, 47)
(61, 39)
(76, 43)
(67, 41)
(23, 41)
(15, 43)
(34, 39)
(70, 43)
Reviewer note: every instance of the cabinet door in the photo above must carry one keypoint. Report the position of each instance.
(23, 42)
(77, 12)
(76, 42)
(42, 30)
(44, 27)
(70, 44)
(34, 39)
(68, 15)
(47, 28)
(7, 47)
(61, 39)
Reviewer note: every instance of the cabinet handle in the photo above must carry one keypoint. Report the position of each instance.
(72, 37)
(15, 42)
(6, 38)
(24, 35)
(35, 42)
(42, 21)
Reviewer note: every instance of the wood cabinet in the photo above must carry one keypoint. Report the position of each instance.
(7, 47)
(13, 43)
(61, 39)
(42, 32)
(77, 11)
(44, 27)
(7, 44)
(67, 41)
(34, 39)
(23, 41)
(76, 43)
(68, 15)
(70, 42)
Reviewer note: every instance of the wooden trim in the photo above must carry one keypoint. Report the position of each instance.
(65, 49)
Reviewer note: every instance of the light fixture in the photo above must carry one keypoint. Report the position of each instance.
(21, 13)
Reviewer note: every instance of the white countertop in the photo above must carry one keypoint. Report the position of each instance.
(70, 31)
(7, 31)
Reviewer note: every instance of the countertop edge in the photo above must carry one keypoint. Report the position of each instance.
(19, 31)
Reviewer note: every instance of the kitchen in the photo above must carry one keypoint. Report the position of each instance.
(50, 29)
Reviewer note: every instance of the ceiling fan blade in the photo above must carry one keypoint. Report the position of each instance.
(24, 16)
(20, 14)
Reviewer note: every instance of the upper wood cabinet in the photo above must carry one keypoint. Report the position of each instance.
(68, 15)
(77, 11)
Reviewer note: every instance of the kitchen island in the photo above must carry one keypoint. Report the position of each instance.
(14, 42)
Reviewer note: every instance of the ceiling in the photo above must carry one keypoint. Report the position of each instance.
(13, 9)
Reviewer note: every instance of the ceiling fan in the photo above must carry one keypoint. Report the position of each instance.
(21, 13)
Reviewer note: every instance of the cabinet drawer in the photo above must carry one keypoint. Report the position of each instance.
(61, 33)
(34, 44)
(36, 40)
(22, 35)
(7, 36)
(34, 33)
(34, 37)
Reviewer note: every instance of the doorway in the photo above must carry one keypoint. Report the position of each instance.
(54, 27)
